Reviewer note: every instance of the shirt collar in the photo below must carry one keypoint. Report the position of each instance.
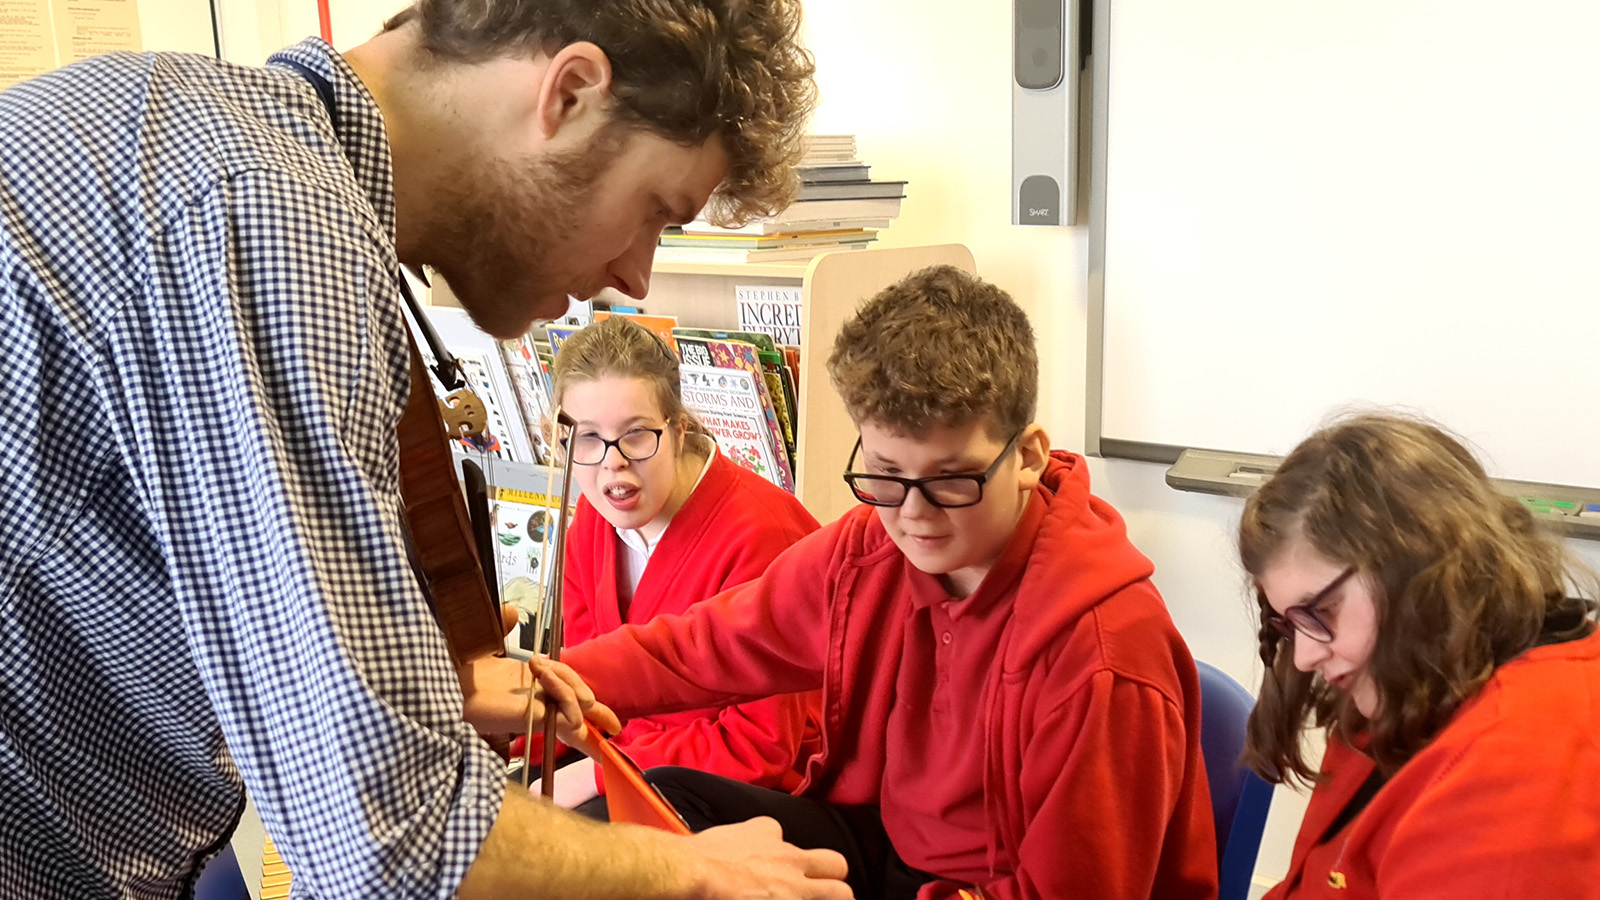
(359, 129)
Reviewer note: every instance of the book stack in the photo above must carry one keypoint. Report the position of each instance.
(838, 208)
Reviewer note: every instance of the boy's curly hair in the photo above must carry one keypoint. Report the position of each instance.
(688, 70)
(939, 347)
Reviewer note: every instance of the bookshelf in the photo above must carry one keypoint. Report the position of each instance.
(832, 286)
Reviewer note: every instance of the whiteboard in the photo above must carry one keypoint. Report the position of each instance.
(1301, 205)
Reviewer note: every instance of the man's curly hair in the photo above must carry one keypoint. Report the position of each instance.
(688, 70)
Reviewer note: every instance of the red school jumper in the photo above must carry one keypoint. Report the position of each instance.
(732, 526)
(1505, 803)
(1089, 777)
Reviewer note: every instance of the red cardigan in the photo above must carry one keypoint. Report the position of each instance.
(1092, 778)
(731, 527)
(1505, 803)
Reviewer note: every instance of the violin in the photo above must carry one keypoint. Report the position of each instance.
(450, 547)
(444, 546)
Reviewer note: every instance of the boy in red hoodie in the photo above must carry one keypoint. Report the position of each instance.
(1007, 707)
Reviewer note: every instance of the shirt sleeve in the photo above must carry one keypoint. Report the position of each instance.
(578, 621)
(761, 638)
(269, 459)
(756, 742)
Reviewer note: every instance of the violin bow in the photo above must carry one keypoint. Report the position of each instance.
(553, 600)
(632, 799)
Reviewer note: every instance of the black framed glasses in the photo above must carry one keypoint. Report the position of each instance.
(944, 491)
(635, 445)
(1306, 617)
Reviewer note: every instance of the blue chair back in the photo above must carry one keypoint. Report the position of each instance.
(1239, 798)
(221, 878)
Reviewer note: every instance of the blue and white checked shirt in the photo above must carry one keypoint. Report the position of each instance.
(202, 575)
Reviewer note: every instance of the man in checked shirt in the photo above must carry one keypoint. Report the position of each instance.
(198, 280)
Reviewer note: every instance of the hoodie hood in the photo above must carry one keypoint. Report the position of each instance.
(1057, 589)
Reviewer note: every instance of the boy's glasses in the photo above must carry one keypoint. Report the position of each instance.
(635, 445)
(1304, 617)
(943, 491)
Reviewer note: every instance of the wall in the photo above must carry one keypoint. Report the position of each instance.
(252, 30)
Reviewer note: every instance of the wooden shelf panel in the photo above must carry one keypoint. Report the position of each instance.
(792, 270)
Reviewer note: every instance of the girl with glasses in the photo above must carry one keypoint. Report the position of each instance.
(665, 521)
(1422, 620)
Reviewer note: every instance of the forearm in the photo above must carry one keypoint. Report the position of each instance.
(727, 650)
(538, 850)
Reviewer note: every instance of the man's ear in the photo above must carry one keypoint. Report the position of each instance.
(1033, 454)
(576, 87)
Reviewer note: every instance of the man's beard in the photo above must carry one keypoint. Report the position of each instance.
(499, 230)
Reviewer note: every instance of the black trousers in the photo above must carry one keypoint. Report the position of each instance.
(876, 871)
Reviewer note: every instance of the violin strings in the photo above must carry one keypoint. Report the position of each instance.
(541, 621)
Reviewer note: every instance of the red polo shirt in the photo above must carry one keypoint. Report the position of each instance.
(933, 774)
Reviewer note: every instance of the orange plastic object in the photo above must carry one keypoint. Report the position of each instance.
(629, 797)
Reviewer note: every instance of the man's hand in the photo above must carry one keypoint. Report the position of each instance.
(536, 849)
(496, 695)
(750, 859)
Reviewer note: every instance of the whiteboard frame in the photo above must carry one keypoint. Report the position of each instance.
(1095, 441)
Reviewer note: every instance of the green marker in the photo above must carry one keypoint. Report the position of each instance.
(1542, 505)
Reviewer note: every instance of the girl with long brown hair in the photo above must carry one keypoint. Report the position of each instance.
(1427, 624)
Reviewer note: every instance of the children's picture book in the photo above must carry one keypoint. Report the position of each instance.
(499, 437)
(524, 524)
(762, 340)
(728, 404)
(739, 355)
(781, 386)
(660, 326)
(532, 392)
(791, 358)
(772, 309)
(557, 334)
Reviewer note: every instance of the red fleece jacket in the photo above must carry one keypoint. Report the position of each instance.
(1504, 803)
(732, 526)
(1093, 779)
